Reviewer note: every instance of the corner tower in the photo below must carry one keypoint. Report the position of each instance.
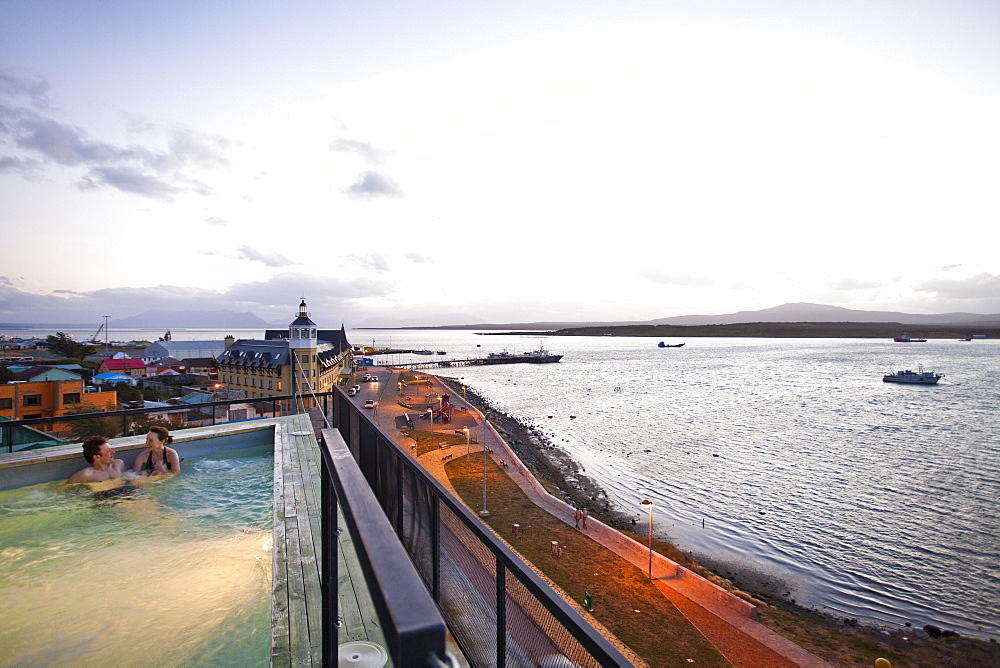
(303, 343)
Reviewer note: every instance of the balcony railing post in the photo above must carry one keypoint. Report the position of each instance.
(328, 566)
(501, 613)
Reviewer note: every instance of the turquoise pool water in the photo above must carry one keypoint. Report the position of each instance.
(175, 573)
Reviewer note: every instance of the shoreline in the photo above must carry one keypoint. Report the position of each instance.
(552, 466)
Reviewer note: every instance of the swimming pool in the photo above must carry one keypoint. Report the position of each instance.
(176, 573)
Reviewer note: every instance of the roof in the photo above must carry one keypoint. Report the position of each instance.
(256, 353)
(113, 376)
(120, 365)
(184, 349)
(49, 373)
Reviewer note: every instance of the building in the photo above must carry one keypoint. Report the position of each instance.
(183, 349)
(128, 366)
(21, 400)
(37, 373)
(299, 363)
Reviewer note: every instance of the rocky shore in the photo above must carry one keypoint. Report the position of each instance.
(548, 463)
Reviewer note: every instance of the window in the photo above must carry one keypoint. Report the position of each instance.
(33, 400)
(279, 384)
(71, 398)
(6, 404)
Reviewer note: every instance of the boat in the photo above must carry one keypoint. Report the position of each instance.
(670, 345)
(539, 356)
(423, 352)
(920, 377)
(905, 338)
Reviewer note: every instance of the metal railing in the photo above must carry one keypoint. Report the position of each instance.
(184, 415)
(414, 631)
(499, 610)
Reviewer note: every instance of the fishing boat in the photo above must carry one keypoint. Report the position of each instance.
(670, 345)
(905, 338)
(423, 352)
(920, 377)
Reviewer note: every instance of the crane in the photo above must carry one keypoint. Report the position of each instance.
(93, 339)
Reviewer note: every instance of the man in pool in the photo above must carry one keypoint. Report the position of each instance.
(103, 465)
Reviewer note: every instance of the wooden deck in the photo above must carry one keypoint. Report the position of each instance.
(296, 610)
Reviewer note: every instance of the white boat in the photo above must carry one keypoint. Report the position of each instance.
(915, 377)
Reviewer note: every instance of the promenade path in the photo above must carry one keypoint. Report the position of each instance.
(719, 616)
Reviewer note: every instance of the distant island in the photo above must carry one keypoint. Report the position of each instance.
(811, 330)
(801, 320)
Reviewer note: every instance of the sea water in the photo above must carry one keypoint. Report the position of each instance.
(866, 499)
(174, 573)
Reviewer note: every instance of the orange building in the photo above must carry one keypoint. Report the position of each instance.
(20, 400)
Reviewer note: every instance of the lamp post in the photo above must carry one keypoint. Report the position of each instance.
(468, 448)
(649, 507)
(484, 512)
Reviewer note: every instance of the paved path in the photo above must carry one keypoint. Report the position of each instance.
(720, 617)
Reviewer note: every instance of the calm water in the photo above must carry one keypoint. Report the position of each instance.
(177, 574)
(871, 500)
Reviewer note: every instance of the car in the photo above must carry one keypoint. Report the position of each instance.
(351, 392)
(370, 403)
(356, 388)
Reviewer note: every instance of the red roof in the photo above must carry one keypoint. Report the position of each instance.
(123, 364)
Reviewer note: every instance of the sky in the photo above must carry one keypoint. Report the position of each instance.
(434, 163)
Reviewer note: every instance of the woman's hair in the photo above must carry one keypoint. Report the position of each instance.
(162, 434)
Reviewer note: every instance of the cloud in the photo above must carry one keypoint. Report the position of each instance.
(213, 220)
(13, 87)
(130, 180)
(371, 185)
(373, 261)
(420, 259)
(331, 299)
(980, 286)
(372, 155)
(270, 259)
(135, 169)
(5, 281)
(664, 278)
(853, 284)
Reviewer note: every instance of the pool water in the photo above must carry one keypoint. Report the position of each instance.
(177, 572)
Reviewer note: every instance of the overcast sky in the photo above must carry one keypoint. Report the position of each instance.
(448, 162)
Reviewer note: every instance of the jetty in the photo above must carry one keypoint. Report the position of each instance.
(531, 358)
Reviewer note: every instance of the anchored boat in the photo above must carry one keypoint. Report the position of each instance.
(915, 377)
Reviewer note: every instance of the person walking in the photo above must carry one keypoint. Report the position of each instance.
(578, 515)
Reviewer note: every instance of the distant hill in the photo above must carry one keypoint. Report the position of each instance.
(799, 312)
(805, 312)
(192, 320)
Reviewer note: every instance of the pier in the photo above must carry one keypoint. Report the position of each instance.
(475, 361)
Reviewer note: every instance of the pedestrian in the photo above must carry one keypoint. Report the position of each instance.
(583, 519)
(578, 516)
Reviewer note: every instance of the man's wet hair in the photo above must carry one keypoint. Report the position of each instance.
(92, 447)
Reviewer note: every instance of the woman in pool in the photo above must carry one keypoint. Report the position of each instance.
(158, 458)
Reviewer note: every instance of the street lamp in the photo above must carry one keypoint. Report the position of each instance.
(649, 507)
(484, 512)
(468, 448)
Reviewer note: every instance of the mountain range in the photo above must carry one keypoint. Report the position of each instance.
(797, 312)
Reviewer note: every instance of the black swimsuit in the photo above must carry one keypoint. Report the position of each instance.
(149, 466)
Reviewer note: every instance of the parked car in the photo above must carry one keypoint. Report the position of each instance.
(370, 403)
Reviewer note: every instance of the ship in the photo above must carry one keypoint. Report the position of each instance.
(905, 338)
(539, 356)
(920, 377)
